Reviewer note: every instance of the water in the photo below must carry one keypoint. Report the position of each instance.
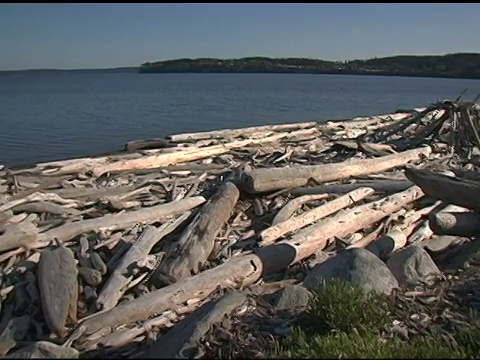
(49, 116)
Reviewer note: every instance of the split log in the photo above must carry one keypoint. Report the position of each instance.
(229, 133)
(270, 179)
(456, 191)
(189, 154)
(456, 223)
(124, 220)
(189, 253)
(58, 286)
(183, 339)
(24, 234)
(388, 186)
(293, 205)
(111, 291)
(274, 232)
(244, 270)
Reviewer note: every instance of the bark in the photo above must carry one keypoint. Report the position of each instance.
(124, 220)
(276, 231)
(270, 179)
(456, 191)
(189, 253)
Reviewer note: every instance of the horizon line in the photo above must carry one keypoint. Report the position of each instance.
(233, 58)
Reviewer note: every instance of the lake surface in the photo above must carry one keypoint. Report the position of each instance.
(56, 115)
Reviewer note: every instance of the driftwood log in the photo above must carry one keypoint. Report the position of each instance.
(122, 221)
(244, 270)
(270, 179)
(451, 190)
(187, 255)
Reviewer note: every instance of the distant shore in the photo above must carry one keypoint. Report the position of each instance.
(461, 65)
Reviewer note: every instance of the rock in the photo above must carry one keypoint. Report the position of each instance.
(413, 265)
(358, 266)
(293, 298)
(440, 243)
(44, 350)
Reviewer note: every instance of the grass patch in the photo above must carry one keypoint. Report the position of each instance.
(343, 321)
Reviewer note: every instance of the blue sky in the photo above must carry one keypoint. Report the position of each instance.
(67, 36)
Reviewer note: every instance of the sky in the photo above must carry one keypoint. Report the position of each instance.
(69, 36)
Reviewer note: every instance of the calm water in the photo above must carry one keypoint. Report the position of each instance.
(49, 116)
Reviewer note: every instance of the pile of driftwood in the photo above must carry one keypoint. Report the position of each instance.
(110, 252)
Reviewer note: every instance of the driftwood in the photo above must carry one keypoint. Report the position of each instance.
(229, 133)
(462, 192)
(388, 186)
(241, 271)
(146, 144)
(57, 282)
(456, 223)
(24, 234)
(270, 179)
(274, 232)
(45, 207)
(182, 341)
(111, 291)
(187, 255)
(122, 221)
(293, 205)
(189, 154)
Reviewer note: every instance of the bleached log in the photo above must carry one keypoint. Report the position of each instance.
(293, 205)
(124, 220)
(381, 185)
(456, 223)
(244, 270)
(189, 154)
(270, 179)
(274, 232)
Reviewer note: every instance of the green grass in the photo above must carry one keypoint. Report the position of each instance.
(343, 321)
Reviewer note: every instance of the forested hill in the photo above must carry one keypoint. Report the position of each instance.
(460, 65)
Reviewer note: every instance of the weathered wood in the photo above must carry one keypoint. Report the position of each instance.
(183, 339)
(58, 286)
(456, 223)
(24, 234)
(237, 272)
(189, 253)
(41, 207)
(146, 144)
(293, 205)
(244, 270)
(189, 154)
(230, 133)
(274, 232)
(456, 191)
(111, 291)
(381, 185)
(270, 179)
(124, 220)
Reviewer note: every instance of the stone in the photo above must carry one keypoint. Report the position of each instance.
(293, 298)
(358, 266)
(44, 350)
(413, 265)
